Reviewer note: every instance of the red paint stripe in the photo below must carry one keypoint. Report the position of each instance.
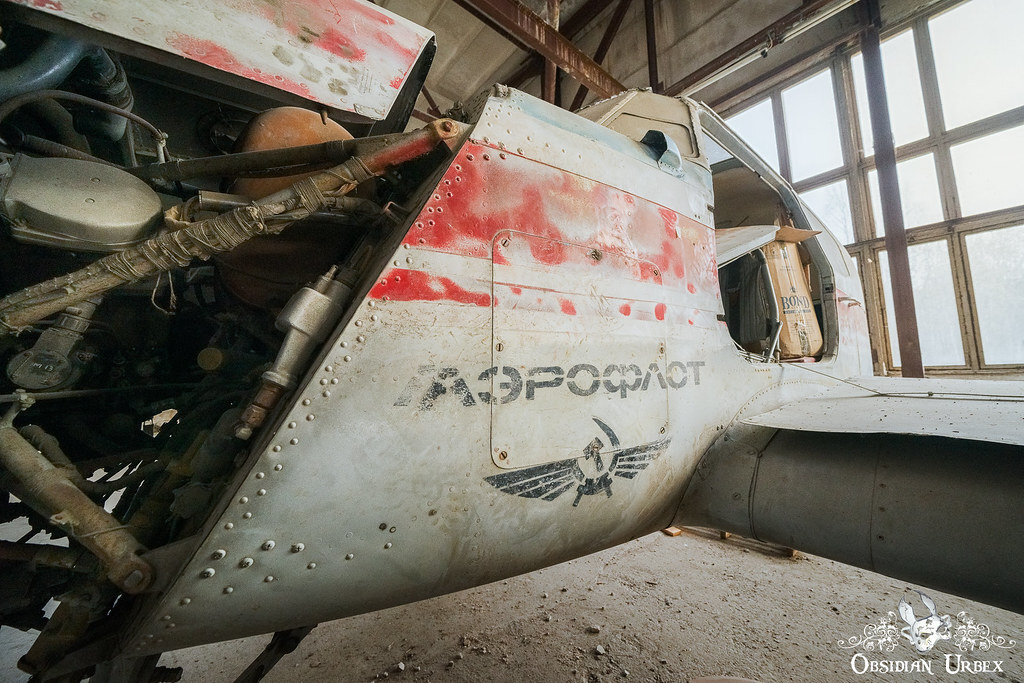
(417, 285)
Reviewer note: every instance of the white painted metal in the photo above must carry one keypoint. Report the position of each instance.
(347, 54)
(387, 465)
(982, 410)
(732, 243)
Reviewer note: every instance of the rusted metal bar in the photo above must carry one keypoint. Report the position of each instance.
(905, 312)
(48, 556)
(421, 116)
(652, 45)
(530, 30)
(48, 490)
(549, 82)
(760, 40)
(569, 28)
(434, 110)
(602, 49)
(230, 165)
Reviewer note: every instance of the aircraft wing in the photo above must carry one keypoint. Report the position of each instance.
(981, 410)
(919, 479)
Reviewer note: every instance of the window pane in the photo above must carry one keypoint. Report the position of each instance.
(757, 128)
(919, 193)
(832, 205)
(902, 89)
(977, 59)
(812, 128)
(987, 171)
(998, 280)
(938, 324)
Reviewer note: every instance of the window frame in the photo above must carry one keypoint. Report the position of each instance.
(855, 167)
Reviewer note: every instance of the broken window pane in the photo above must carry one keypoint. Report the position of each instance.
(832, 205)
(977, 59)
(998, 278)
(812, 128)
(938, 323)
(756, 126)
(902, 89)
(919, 193)
(986, 170)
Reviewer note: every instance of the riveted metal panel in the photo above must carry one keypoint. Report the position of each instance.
(382, 466)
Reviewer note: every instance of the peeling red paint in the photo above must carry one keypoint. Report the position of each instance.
(416, 285)
(490, 201)
(670, 220)
(210, 53)
(516, 290)
(396, 82)
(407, 49)
(339, 44)
(567, 307)
(48, 4)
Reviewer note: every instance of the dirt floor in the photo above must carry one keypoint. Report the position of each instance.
(656, 609)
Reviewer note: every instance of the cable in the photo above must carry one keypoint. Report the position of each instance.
(8, 107)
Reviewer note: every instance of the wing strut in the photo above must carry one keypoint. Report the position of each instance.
(283, 643)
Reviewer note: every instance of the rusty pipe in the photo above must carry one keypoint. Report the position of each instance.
(48, 556)
(48, 490)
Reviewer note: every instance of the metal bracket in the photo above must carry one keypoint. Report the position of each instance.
(283, 643)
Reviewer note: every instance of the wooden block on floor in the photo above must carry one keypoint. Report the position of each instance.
(672, 531)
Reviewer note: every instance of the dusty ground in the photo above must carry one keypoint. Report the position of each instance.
(666, 609)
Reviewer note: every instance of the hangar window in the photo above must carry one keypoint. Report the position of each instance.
(956, 104)
(756, 127)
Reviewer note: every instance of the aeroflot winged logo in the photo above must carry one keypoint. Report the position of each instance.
(923, 633)
(588, 472)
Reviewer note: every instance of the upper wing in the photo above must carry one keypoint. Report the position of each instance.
(628, 462)
(982, 410)
(541, 481)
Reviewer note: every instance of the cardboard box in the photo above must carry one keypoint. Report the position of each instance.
(801, 334)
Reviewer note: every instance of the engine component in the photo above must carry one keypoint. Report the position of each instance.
(49, 364)
(77, 205)
(49, 491)
(222, 233)
(265, 271)
(306, 320)
(47, 67)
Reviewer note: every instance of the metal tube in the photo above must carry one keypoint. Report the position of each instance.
(773, 305)
(49, 491)
(47, 556)
(46, 67)
(8, 107)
